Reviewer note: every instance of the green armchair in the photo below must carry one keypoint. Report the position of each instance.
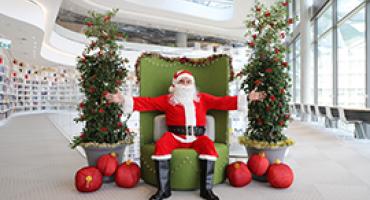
(211, 76)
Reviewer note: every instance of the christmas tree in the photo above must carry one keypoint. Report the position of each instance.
(267, 70)
(102, 70)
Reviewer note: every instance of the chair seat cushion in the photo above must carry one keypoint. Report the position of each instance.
(184, 167)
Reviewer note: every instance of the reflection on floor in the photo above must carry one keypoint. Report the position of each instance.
(36, 163)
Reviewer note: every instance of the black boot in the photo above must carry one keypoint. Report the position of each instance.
(206, 180)
(163, 180)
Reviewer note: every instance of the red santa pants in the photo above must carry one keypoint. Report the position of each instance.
(167, 143)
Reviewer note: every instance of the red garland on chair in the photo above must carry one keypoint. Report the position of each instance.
(107, 164)
(280, 175)
(128, 175)
(88, 179)
(238, 174)
(258, 164)
(198, 62)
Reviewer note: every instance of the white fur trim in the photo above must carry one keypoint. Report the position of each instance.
(189, 139)
(161, 157)
(183, 75)
(128, 104)
(207, 157)
(242, 102)
(190, 117)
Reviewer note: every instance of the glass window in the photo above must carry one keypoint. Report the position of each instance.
(352, 61)
(297, 10)
(346, 6)
(325, 21)
(297, 75)
(290, 72)
(325, 69)
(310, 76)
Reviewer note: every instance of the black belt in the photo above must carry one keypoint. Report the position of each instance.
(181, 130)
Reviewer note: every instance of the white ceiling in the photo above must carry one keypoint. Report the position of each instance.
(30, 24)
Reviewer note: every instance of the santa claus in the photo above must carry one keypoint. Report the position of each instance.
(185, 109)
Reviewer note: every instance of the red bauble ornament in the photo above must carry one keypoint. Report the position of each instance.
(285, 4)
(1, 60)
(92, 90)
(127, 175)
(238, 174)
(104, 129)
(251, 44)
(282, 35)
(281, 123)
(119, 124)
(254, 36)
(277, 50)
(258, 164)
(120, 115)
(258, 82)
(272, 98)
(105, 93)
(290, 21)
(280, 175)
(106, 18)
(258, 9)
(268, 70)
(82, 105)
(83, 135)
(282, 91)
(285, 64)
(101, 110)
(88, 179)
(267, 14)
(89, 24)
(107, 164)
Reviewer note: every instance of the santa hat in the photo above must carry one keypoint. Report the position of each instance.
(178, 75)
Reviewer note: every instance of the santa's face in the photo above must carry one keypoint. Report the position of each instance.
(185, 90)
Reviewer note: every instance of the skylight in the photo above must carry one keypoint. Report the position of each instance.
(220, 4)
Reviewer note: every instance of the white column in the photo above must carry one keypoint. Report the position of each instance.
(306, 57)
(181, 40)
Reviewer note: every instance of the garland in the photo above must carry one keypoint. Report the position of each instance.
(194, 62)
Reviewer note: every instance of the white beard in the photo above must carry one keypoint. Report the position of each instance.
(184, 95)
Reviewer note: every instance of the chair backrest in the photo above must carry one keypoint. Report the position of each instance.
(308, 108)
(302, 109)
(317, 111)
(328, 112)
(160, 127)
(342, 114)
(155, 74)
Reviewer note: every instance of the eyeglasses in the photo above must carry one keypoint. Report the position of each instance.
(185, 81)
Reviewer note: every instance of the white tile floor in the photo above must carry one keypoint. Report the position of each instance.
(37, 164)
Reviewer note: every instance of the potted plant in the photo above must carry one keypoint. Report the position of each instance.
(102, 70)
(267, 71)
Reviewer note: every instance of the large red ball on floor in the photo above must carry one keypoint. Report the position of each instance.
(88, 179)
(127, 175)
(107, 164)
(280, 175)
(238, 174)
(258, 164)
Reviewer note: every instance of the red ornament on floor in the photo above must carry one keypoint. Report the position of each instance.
(128, 175)
(238, 174)
(258, 164)
(107, 164)
(280, 175)
(88, 179)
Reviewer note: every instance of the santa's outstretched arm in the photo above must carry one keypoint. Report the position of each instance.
(239, 102)
(130, 103)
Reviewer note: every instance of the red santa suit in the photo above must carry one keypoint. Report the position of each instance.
(183, 116)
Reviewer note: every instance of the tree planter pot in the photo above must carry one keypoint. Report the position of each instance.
(94, 152)
(271, 154)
